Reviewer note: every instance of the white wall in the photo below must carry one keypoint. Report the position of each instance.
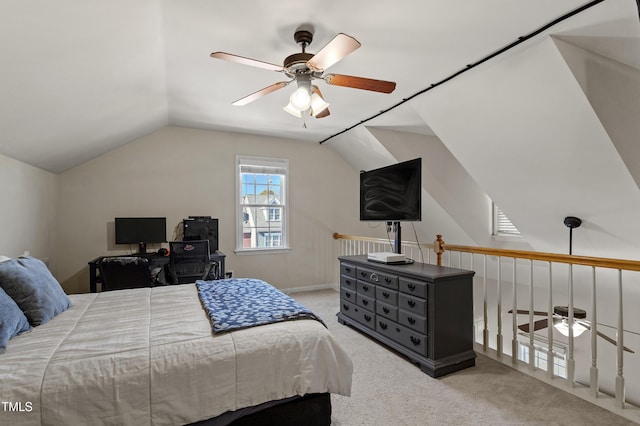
(27, 215)
(177, 172)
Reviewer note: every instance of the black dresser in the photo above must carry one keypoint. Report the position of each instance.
(423, 311)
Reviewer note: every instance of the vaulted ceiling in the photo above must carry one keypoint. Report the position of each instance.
(81, 77)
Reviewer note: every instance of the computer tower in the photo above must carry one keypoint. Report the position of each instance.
(201, 228)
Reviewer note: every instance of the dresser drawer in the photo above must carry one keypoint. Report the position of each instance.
(366, 288)
(348, 270)
(347, 282)
(359, 314)
(412, 304)
(413, 321)
(379, 278)
(347, 294)
(413, 287)
(386, 310)
(405, 336)
(386, 295)
(366, 302)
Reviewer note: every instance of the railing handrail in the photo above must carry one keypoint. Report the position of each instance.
(601, 262)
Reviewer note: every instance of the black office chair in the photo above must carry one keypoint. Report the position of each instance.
(121, 272)
(189, 261)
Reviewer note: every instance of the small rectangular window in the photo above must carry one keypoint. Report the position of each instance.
(262, 203)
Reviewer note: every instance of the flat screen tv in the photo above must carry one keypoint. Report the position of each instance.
(392, 193)
(141, 230)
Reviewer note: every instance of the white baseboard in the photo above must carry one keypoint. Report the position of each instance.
(318, 287)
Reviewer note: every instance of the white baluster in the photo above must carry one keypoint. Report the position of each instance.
(514, 317)
(594, 338)
(499, 337)
(620, 343)
(485, 332)
(571, 364)
(532, 350)
(550, 353)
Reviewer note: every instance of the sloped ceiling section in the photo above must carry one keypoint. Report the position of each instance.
(364, 151)
(540, 151)
(79, 78)
(613, 89)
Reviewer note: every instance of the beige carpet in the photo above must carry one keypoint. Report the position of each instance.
(390, 390)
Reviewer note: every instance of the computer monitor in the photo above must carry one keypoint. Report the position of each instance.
(141, 230)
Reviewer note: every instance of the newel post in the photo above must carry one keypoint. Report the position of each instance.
(438, 248)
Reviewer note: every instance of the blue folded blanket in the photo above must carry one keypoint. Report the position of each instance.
(237, 303)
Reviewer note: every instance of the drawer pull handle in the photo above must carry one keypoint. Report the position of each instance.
(415, 340)
(345, 306)
(347, 269)
(367, 317)
(365, 302)
(382, 325)
(347, 282)
(385, 294)
(411, 303)
(385, 310)
(347, 294)
(363, 274)
(387, 280)
(365, 287)
(411, 320)
(412, 287)
(373, 277)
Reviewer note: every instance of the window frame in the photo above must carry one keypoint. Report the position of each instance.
(280, 167)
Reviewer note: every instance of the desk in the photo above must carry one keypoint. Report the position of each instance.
(154, 260)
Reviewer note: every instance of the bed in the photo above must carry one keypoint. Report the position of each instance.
(149, 356)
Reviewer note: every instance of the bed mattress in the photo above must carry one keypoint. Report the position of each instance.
(148, 356)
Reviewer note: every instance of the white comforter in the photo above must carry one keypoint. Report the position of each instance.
(148, 356)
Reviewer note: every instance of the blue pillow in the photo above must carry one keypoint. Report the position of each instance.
(28, 281)
(12, 320)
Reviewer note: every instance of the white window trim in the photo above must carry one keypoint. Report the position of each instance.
(266, 162)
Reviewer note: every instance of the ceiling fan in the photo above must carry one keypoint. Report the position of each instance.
(303, 68)
(561, 323)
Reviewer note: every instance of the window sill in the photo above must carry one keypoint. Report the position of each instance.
(507, 237)
(249, 252)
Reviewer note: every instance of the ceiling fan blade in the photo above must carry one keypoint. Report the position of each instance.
(525, 312)
(332, 52)
(360, 83)
(260, 93)
(613, 342)
(537, 325)
(246, 61)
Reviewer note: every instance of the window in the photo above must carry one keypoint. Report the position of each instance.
(540, 356)
(502, 226)
(262, 203)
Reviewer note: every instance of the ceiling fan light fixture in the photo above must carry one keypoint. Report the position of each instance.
(292, 110)
(317, 104)
(563, 327)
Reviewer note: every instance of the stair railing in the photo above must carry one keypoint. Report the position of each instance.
(529, 269)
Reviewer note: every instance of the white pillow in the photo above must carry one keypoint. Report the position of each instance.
(4, 258)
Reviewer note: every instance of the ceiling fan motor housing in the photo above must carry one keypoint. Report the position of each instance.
(297, 63)
(563, 311)
(303, 37)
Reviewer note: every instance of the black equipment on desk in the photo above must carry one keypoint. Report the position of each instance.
(201, 228)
